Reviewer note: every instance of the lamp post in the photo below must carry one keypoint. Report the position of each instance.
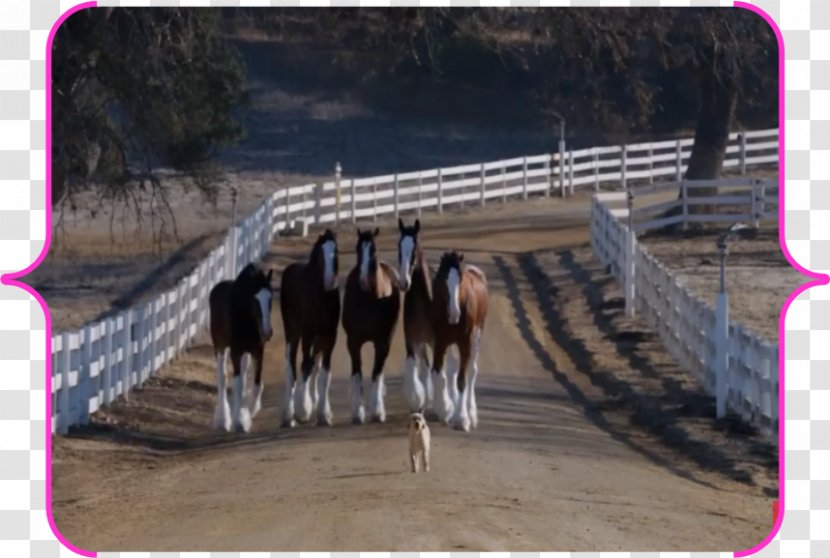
(722, 238)
(561, 151)
(722, 325)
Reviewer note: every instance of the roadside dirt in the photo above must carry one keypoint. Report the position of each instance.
(758, 277)
(589, 438)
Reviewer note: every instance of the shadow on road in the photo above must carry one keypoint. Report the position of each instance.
(659, 414)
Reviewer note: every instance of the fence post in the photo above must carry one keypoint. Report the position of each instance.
(287, 212)
(571, 171)
(721, 367)
(420, 182)
(678, 169)
(684, 195)
(762, 194)
(374, 200)
(650, 163)
(234, 236)
(742, 139)
(154, 321)
(753, 208)
(177, 329)
(440, 191)
(128, 354)
(562, 167)
(302, 202)
(318, 203)
(85, 374)
(503, 183)
(596, 170)
(624, 164)
(483, 186)
(141, 352)
(524, 177)
(353, 203)
(337, 172)
(549, 174)
(166, 315)
(269, 223)
(63, 423)
(463, 189)
(629, 272)
(396, 196)
(107, 377)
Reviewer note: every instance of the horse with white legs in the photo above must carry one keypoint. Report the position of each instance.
(240, 321)
(310, 307)
(416, 282)
(459, 309)
(371, 305)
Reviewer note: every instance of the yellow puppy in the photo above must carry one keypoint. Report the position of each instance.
(418, 442)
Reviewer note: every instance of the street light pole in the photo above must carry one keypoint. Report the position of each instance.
(721, 366)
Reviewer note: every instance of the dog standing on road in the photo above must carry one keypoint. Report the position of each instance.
(418, 442)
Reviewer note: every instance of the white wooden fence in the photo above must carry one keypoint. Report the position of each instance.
(738, 368)
(104, 360)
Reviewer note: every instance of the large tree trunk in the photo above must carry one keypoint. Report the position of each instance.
(718, 97)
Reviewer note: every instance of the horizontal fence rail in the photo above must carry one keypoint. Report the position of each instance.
(740, 369)
(94, 365)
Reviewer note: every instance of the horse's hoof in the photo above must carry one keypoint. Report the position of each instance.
(379, 418)
(462, 425)
(288, 424)
(357, 420)
(324, 420)
(222, 423)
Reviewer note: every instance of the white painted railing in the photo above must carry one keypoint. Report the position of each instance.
(742, 200)
(738, 368)
(104, 360)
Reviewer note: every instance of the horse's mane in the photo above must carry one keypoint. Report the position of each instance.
(390, 277)
(477, 271)
(248, 276)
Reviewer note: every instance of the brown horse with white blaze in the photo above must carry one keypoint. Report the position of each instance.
(310, 307)
(240, 321)
(416, 282)
(459, 309)
(371, 305)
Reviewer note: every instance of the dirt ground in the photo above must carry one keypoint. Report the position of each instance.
(589, 438)
(758, 277)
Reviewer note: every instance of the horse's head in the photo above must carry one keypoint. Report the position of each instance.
(256, 284)
(407, 251)
(447, 282)
(324, 257)
(367, 262)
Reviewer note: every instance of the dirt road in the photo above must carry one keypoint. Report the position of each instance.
(549, 468)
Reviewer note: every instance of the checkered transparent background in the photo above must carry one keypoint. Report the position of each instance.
(24, 28)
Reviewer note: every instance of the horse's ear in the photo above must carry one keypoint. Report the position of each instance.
(270, 274)
(417, 225)
(461, 257)
(400, 224)
(377, 231)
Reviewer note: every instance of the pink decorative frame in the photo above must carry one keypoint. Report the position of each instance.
(12, 279)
